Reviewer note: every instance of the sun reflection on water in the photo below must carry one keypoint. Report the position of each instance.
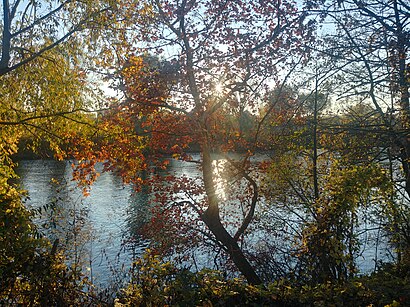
(220, 180)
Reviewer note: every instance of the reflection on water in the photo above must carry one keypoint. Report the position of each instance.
(92, 228)
(96, 230)
(99, 232)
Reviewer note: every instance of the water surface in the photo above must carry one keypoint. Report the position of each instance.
(96, 230)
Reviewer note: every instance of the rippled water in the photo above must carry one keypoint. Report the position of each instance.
(94, 229)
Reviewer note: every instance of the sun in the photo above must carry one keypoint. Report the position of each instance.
(219, 88)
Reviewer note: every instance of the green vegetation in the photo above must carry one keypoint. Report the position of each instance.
(156, 283)
(321, 90)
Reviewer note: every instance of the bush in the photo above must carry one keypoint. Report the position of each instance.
(33, 273)
(156, 283)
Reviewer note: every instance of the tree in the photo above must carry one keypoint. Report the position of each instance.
(226, 52)
(327, 197)
(30, 29)
(373, 67)
(329, 242)
(45, 94)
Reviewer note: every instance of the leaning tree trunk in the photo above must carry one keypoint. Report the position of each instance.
(212, 219)
(211, 215)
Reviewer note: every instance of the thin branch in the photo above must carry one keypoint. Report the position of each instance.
(39, 20)
(78, 27)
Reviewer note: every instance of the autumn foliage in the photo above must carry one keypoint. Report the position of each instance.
(296, 136)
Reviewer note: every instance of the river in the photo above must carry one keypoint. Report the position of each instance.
(95, 229)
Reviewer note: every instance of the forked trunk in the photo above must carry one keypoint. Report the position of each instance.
(212, 219)
(214, 224)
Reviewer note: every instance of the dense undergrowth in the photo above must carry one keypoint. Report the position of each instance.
(160, 284)
(157, 283)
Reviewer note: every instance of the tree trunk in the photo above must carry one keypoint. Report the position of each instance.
(403, 83)
(315, 123)
(6, 39)
(212, 219)
(214, 224)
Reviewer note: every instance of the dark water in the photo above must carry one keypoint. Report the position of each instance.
(96, 230)
(93, 229)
